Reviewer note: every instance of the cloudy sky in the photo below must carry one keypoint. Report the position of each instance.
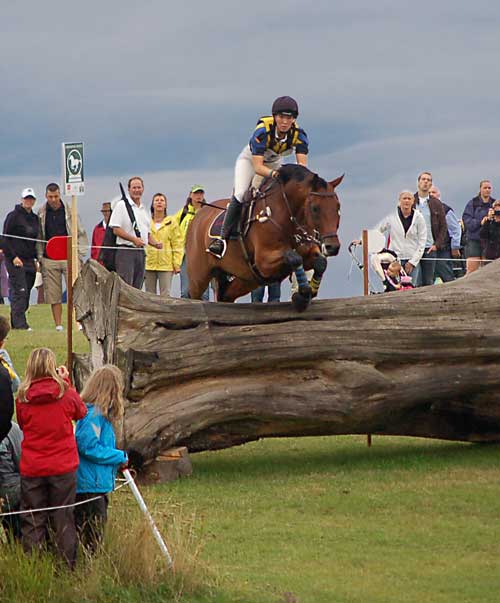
(172, 91)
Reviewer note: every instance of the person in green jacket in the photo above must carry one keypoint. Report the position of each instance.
(184, 218)
(162, 264)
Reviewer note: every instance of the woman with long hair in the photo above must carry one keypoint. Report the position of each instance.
(45, 407)
(162, 264)
(99, 457)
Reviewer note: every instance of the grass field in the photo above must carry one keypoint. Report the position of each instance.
(312, 520)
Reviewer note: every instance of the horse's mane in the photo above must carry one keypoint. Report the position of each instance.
(299, 173)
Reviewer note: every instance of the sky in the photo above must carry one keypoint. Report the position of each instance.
(172, 92)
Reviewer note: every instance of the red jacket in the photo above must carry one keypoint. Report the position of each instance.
(97, 240)
(49, 445)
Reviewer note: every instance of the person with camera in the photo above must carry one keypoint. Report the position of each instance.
(489, 233)
(46, 406)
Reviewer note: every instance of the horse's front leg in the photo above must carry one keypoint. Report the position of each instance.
(319, 266)
(302, 298)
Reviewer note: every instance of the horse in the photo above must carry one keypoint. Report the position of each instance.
(291, 227)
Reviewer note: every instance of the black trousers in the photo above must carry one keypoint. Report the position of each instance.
(21, 281)
(90, 519)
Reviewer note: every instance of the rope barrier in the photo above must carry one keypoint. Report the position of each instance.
(77, 246)
(76, 504)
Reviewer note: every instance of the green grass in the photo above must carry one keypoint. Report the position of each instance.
(325, 519)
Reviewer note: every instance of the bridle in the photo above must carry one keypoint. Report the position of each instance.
(301, 235)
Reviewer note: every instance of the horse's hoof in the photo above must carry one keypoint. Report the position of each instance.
(300, 302)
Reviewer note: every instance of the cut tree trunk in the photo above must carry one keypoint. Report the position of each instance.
(210, 375)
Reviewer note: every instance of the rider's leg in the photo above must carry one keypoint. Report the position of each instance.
(243, 174)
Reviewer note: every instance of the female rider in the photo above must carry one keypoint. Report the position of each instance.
(274, 137)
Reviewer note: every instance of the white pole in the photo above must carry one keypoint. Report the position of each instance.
(144, 509)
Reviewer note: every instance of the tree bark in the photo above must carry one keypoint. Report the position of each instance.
(208, 376)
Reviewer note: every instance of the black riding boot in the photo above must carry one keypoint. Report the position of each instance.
(233, 211)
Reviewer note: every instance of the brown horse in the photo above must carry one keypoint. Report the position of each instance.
(292, 228)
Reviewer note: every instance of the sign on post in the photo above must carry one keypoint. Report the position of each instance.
(73, 173)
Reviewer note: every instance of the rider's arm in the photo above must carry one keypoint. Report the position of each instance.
(260, 168)
(301, 159)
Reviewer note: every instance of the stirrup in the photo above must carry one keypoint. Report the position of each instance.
(217, 255)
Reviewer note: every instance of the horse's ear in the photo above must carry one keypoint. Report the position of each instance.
(337, 181)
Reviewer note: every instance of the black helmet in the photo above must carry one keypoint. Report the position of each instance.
(286, 104)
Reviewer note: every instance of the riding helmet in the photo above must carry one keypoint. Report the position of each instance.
(287, 105)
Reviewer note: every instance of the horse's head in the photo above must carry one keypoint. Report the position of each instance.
(322, 213)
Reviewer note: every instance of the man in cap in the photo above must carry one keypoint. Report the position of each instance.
(274, 137)
(20, 231)
(99, 230)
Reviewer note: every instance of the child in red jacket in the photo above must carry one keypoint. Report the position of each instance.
(45, 407)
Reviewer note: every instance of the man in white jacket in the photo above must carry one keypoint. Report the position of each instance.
(406, 233)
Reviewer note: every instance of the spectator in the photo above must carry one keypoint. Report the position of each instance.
(451, 246)
(407, 232)
(162, 264)
(273, 293)
(490, 233)
(6, 397)
(4, 355)
(130, 258)
(435, 221)
(55, 220)
(46, 406)
(99, 457)
(99, 230)
(4, 278)
(184, 217)
(474, 213)
(10, 479)
(20, 255)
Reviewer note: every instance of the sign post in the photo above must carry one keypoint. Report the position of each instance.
(74, 185)
(59, 248)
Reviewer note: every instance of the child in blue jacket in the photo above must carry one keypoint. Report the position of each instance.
(99, 457)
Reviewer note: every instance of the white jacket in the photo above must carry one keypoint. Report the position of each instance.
(410, 245)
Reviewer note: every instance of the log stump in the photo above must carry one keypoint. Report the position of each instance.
(211, 375)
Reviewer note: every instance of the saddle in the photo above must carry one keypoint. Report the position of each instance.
(247, 215)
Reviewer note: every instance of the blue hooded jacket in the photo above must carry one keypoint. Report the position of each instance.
(99, 457)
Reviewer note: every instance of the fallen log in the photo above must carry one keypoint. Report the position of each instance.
(208, 376)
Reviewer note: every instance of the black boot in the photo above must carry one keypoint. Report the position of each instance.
(233, 211)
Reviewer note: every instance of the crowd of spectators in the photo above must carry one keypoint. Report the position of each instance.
(431, 243)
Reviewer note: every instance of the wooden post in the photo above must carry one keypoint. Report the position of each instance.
(74, 236)
(366, 292)
(69, 304)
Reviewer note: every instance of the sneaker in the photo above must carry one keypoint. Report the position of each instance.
(59, 328)
(29, 329)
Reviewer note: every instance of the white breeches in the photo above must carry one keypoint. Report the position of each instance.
(244, 172)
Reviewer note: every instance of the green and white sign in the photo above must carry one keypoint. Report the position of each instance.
(72, 169)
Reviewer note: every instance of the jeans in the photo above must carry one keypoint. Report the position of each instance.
(185, 282)
(444, 269)
(273, 293)
(427, 268)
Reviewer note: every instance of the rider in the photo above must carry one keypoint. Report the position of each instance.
(274, 137)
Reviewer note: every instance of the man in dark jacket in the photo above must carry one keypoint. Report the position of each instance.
(6, 402)
(437, 230)
(20, 255)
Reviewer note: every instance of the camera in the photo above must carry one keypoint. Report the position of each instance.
(496, 212)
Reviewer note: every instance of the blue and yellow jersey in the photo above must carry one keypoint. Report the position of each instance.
(264, 139)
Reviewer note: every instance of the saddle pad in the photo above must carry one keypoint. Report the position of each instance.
(216, 225)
